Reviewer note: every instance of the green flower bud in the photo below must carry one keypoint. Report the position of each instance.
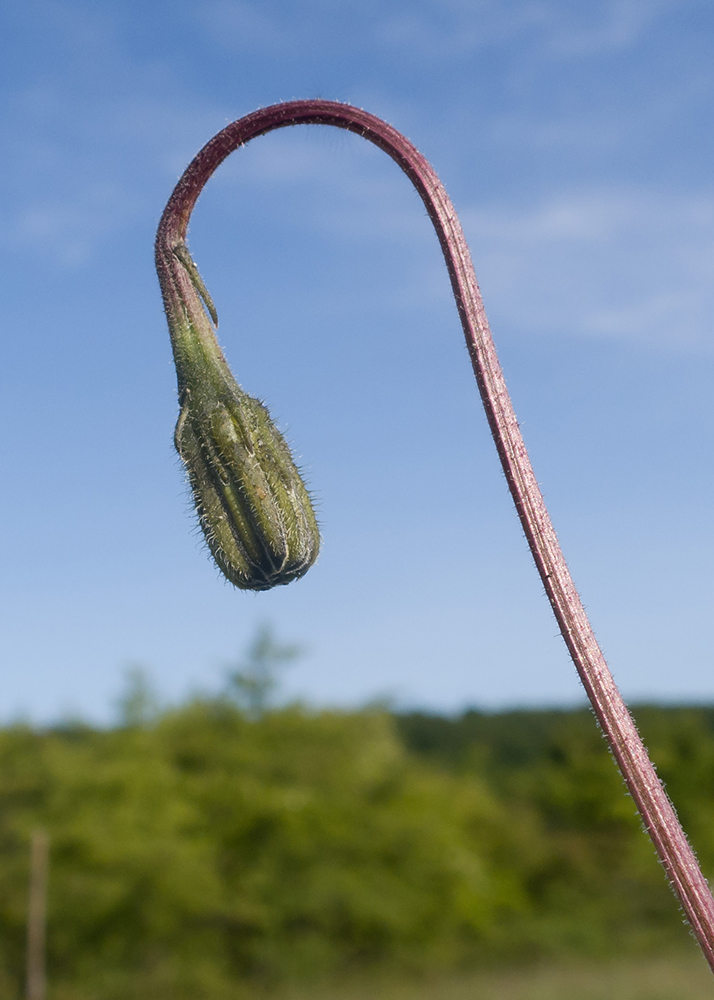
(252, 504)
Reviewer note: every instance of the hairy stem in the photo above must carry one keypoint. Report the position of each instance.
(617, 724)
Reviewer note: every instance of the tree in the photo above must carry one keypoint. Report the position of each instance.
(138, 704)
(256, 678)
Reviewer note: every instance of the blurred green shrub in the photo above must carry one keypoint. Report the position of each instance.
(206, 847)
(596, 887)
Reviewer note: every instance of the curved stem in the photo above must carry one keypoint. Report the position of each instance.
(617, 724)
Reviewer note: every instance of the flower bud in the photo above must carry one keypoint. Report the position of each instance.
(252, 504)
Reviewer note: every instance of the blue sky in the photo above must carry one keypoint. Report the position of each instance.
(576, 142)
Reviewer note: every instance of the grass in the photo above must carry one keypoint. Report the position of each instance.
(679, 977)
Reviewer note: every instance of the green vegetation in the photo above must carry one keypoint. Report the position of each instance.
(218, 850)
(674, 978)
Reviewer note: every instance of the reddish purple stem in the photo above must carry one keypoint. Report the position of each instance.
(617, 724)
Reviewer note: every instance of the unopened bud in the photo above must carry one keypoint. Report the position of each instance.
(252, 504)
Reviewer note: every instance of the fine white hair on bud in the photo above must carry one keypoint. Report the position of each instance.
(252, 504)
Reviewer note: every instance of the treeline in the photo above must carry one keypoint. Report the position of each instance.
(210, 851)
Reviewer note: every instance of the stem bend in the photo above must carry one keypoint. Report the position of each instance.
(617, 724)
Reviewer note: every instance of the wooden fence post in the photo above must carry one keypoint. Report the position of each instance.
(37, 916)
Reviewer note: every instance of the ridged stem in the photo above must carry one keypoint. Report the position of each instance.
(617, 724)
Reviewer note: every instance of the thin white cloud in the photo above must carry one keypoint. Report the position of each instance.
(523, 133)
(68, 197)
(77, 161)
(244, 26)
(613, 262)
(575, 217)
(68, 231)
(630, 265)
(454, 28)
(436, 29)
(331, 181)
(430, 28)
(617, 24)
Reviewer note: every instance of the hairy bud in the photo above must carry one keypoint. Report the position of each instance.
(252, 504)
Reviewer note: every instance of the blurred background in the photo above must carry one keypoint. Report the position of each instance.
(576, 143)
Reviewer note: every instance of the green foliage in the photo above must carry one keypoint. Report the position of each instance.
(204, 850)
(253, 683)
(669, 977)
(138, 704)
(596, 885)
